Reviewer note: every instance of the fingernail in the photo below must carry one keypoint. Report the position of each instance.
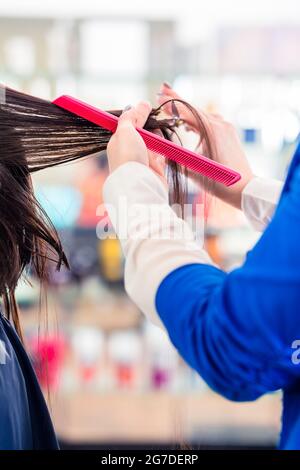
(160, 93)
(167, 85)
(127, 108)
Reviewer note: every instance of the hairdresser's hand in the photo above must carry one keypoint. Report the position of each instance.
(228, 148)
(126, 145)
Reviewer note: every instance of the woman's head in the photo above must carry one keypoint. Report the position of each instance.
(35, 135)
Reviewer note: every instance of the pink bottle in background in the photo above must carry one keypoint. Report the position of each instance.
(48, 354)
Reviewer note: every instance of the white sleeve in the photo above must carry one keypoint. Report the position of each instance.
(154, 240)
(259, 201)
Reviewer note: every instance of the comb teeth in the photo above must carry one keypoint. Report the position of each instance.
(193, 161)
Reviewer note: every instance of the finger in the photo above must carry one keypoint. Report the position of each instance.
(135, 116)
(185, 114)
(142, 111)
(157, 163)
(172, 109)
(127, 117)
(167, 90)
(164, 96)
(166, 93)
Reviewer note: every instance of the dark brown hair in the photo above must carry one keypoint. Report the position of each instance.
(35, 134)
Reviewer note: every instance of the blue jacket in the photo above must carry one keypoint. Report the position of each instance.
(239, 330)
(24, 419)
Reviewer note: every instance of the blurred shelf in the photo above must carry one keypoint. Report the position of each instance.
(107, 317)
(163, 417)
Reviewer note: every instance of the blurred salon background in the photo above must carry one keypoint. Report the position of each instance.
(113, 379)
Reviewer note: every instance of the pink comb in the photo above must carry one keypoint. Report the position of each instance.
(193, 161)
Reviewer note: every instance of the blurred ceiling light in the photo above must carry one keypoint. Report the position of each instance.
(114, 47)
(213, 12)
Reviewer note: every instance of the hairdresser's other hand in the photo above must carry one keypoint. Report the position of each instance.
(166, 93)
(126, 145)
(228, 147)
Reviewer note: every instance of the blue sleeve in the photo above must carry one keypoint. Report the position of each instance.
(237, 329)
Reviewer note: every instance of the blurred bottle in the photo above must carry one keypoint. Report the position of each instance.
(88, 346)
(124, 349)
(162, 358)
(48, 354)
(111, 260)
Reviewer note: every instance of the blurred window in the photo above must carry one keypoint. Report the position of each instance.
(19, 55)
